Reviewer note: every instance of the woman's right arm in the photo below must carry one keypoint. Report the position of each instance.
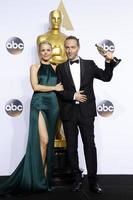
(41, 88)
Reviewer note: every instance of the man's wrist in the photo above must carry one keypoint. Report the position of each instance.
(109, 60)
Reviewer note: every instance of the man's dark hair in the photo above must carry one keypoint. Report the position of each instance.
(71, 37)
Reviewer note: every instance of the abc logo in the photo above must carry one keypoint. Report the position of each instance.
(14, 107)
(107, 45)
(14, 45)
(105, 108)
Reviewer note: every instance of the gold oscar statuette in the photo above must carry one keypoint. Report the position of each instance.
(102, 51)
(56, 38)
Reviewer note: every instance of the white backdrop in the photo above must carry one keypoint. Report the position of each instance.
(93, 21)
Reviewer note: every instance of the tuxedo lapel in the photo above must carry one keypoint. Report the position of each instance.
(82, 72)
(68, 73)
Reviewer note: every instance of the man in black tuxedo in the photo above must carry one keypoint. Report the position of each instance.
(78, 108)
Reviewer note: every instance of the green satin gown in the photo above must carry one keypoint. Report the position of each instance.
(29, 175)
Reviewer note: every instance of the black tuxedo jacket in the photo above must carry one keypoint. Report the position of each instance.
(88, 71)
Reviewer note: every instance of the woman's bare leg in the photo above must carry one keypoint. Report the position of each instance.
(43, 138)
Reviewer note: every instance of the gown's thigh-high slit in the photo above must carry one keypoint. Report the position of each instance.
(43, 133)
(48, 124)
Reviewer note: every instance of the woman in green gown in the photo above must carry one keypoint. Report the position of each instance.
(34, 173)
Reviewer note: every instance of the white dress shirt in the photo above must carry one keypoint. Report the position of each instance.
(75, 71)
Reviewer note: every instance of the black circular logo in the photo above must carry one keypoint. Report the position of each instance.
(107, 45)
(14, 45)
(105, 108)
(13, 107)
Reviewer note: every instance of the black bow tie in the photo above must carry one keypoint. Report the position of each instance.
(74, 61)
